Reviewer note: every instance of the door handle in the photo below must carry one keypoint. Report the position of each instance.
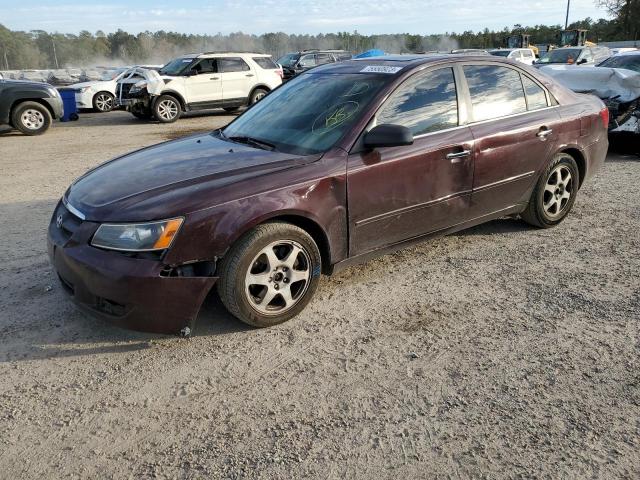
(214, 78)
(544, 133)
(249, 75)
(458, 156)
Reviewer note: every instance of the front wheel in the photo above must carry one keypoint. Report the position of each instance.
(270, 274)
(554, 194)
(103, 102)
(166, 109)
(31, 118)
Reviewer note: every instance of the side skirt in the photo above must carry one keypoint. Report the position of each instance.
(365, 257)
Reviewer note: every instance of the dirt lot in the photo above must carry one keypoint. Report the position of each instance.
(499, 352)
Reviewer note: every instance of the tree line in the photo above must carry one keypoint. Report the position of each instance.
(40, 49)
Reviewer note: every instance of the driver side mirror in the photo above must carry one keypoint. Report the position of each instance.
(387, 135)
(580, 62)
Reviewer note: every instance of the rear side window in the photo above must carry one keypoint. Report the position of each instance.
(266, 63)
(424, 104)
(536, 98)
(232, 65)
(495, 91)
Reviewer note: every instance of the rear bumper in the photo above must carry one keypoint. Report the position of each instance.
(597, 153)
(128, 292)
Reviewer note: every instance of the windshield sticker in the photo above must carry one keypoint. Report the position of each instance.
(380, 69)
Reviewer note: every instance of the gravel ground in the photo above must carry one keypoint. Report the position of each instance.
(499, 352)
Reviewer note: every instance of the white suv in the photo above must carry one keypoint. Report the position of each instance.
(522, 55)
(198, 82)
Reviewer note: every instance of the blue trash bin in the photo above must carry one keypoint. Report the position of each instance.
(69, 104)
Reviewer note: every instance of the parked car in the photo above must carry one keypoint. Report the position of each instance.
(588, 56)
(99, 95)
(198, 82)
(522, 55)
(297, 62)
(343, 163)
(29, 106)
(629, 60)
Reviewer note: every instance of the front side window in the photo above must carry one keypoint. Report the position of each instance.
(424, 104)
(324, 58)
(495, 91)
(232, 65)
(207, 65)
(308, 61)
(289, 60)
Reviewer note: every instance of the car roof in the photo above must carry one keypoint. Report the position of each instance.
(224, 54)
(400, 63)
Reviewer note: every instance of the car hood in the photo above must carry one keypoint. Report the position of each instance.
(95, 84)
(172, 178)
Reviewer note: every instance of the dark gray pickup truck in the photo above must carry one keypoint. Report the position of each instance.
(29, 106)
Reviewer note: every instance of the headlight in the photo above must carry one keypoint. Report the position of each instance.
(85, 89)
(137, 237)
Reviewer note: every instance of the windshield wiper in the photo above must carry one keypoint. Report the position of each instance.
(254, 142)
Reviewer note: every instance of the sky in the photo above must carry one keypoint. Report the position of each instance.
(289, 16)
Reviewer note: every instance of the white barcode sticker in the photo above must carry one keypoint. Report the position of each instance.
(380, 69)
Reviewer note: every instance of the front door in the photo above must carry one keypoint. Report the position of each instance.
(398, 193)
(513, 125)
(204, 84)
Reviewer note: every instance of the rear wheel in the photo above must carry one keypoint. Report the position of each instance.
(554, 194)
(31, 118)
(103, 102)
(166, 109)
(270, 274)
(257, 95)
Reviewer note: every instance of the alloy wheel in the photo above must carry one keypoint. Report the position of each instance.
(104, 102)
(557, 191)
(167, 109)
(278, 277)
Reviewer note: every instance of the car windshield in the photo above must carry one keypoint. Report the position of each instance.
(569, 55)
(630, 62)
(111, 74)
(309, 114)
(500, 53)
(176, 67)
(288, 60)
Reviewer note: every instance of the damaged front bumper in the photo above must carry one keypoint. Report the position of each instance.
(134, 293)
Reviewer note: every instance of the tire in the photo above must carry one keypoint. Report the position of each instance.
(554, 194)
(248, 274)
(231, 109)
(31, 118)
(166, 109)
(103, 102)
(257, 95)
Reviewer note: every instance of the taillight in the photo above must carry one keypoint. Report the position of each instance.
(604, 115)
(280, 73)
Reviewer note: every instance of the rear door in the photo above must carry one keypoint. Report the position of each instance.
(237, 78)
(397, 193)
(514, 125)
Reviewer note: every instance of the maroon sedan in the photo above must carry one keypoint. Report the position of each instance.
(343, 163)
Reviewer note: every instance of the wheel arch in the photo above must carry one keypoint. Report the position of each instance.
(260, 86)
(580, 159)
(40, 101)
(300, 219)
(173, 93)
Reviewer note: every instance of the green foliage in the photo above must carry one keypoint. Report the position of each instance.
(40, 49)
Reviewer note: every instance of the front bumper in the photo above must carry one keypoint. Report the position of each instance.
(128, 292)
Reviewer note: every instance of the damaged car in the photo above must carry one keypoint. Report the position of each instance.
(344, 162)
(618, 88)
(198, 82)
